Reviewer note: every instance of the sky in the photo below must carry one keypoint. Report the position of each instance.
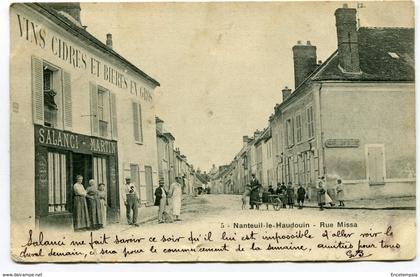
(222, 66)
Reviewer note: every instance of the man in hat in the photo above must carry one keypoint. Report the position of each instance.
(161, 200)
(131, 201)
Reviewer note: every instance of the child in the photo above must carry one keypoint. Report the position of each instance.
(301, 196)
(340, 193)
(102, 197)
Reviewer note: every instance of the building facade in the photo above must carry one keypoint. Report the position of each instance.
(351, 117)
(79, 108)
(341, 121)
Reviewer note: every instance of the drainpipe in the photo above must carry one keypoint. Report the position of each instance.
(318, 130)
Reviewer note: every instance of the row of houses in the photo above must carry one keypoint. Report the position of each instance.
(171, 163)
(77, 107)
(351, 117)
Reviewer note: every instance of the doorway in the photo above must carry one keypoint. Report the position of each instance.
(82, 165)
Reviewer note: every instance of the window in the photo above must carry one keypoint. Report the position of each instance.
(51, 95)
(103, 107)
(103, 112)
(310, 122)
(289, 132)
(137, 122)
(57, 182)
(298, 128)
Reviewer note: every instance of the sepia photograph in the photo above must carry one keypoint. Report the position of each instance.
(212, 131)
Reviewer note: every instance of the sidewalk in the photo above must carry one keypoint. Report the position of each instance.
(150, 213)
(392, 203)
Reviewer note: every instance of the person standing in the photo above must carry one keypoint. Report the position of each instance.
(321, 194)
(80, 211)
(283, 191)
(290, 195)
(340, 192)
(175, 198)
(131, 201)
(161, 200)
(102, 198)
(94, 205)
(254, 193)
(301, 192)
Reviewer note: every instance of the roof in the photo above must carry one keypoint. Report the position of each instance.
(84, 35)
(385, 54)
(376, 46)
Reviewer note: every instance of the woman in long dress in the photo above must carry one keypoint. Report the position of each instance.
(80, 211)
(321, 194)
(176, 196)
(94, 205)
(102, 198)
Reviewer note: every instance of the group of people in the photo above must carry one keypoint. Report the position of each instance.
(169, 202)
(288, 195)
(90, 203)
(89, 206)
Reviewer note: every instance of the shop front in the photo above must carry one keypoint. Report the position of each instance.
(59, 157)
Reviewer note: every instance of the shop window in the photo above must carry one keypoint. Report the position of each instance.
(51, 95)
(100, 174)
(298, 128)
(310, 122)
(57, 182)
(137, 122)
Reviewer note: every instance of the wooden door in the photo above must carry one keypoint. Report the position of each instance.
(375, 164)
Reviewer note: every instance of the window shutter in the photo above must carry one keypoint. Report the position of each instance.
(113, 106)
(37, 91)
(136, 122)
(140, 124)
(94, 109)
(67, 102)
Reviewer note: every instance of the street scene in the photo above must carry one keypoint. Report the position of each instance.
(131, 118)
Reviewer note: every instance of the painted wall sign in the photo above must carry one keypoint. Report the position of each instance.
(75, 142)
(342, 143)
(40, 36)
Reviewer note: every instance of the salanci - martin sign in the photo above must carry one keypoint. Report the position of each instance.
(75, 142)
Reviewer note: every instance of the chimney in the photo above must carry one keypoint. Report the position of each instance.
(348, 50)
(286, 92)
(72, 9)
(109, 40)
(159, 124)
(304, 58)
(245, 140)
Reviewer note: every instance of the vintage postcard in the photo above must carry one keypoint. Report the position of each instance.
(212, 132)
